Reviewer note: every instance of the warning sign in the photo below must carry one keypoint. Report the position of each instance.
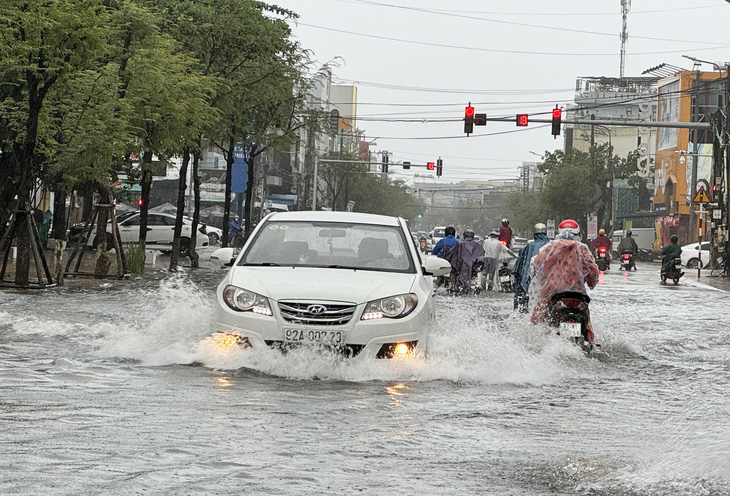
(701, 196)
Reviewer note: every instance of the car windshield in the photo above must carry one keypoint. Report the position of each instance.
(439, 233)
(330, 244)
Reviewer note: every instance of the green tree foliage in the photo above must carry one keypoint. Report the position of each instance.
(371, 193)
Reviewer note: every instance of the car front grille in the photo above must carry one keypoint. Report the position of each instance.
(347, 351)
(317, 313)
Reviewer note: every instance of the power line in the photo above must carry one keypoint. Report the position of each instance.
(497, 50)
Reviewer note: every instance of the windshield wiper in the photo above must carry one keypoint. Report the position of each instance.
(262, 264)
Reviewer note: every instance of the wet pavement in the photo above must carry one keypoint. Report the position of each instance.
(114, 387)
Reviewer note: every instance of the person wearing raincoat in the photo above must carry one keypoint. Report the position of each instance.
(521, 269)
(564, 264)
(462, 259)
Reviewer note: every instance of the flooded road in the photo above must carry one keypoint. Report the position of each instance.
(112, 387)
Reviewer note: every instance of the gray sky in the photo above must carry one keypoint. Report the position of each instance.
(426, 59)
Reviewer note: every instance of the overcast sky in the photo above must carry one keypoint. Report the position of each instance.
(424, 60)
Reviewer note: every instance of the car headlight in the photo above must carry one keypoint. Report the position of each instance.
(243, 300)
(392, 307)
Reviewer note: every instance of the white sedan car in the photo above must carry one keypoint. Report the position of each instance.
(691, 255)
(160, 230)
(350, 282)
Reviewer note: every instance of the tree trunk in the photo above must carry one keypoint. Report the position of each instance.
(181, 187)
(194, 257)
(250, 185)
(101, 266)
(146, 184)
(58, 231)
(226, 201)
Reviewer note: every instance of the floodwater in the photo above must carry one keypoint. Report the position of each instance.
(112, 387)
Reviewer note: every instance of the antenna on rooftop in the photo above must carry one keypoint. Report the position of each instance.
(625, 8)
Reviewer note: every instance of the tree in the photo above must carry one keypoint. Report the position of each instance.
(43, 44)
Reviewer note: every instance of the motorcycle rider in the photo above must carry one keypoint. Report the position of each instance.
(628, 244)
(669, 253)
(603, 241)
(463, 257)
(235, 229)
(521, 269)
(446, 243)
(505, 233)
(564, 264)
(493, 250)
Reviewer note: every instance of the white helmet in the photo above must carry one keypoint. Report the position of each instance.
(505, 221)
(540, 228)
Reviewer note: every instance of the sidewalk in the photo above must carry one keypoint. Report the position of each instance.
(721, 283)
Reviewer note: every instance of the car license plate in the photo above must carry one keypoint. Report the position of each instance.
(335, 337)
(570, 329)
(504, 278)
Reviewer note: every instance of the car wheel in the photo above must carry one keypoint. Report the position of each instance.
(109, 242)
(213, 238)
(693, 263)
(184, 246)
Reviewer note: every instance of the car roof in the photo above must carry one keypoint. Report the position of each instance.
(327, 216)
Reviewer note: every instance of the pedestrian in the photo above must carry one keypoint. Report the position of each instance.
(493, 251)
(505, 233)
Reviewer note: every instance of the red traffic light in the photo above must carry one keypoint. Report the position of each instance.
(522, 119)
(469, 112)
(557, 113)
(430, 165)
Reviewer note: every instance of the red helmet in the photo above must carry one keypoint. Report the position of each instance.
(570, 226)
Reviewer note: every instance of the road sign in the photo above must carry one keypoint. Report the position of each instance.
(701, 196)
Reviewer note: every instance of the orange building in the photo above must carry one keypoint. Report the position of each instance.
(680, 99)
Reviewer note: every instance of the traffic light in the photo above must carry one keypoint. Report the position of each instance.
(439, 167)
(406, 165)
(557, 118)
(385, 162)
(469, 119)
(480, 119)
(522, 120)
(430, 166)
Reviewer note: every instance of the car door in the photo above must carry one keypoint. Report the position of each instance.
(129, 229)
(160, 229)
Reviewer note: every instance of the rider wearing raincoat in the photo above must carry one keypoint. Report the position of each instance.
(463, 257)
(564, 264)
(521, 269)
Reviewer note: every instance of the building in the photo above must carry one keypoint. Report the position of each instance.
(686, 96)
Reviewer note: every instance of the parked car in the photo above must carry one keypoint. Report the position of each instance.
(691, 252)
(214, 234)
(518, 243)
(349, 282)
(160, 230)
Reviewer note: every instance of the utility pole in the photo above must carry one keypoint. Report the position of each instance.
(694, 138)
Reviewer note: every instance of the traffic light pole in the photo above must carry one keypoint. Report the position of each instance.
(608, 122)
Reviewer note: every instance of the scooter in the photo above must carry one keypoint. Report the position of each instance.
(602, 259)
(627, 260)
(673, 272)
(505, 278)
(568, 311)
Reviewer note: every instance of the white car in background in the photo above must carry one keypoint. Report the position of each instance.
(349, 282)
(691, 255)
(160, 231)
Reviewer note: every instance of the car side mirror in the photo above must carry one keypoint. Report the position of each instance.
(436, 266)
(230, 263)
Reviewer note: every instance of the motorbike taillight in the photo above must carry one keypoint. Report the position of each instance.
(626, 256)
(602, 250)
(568, 303)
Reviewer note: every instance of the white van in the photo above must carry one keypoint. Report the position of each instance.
(644, 237)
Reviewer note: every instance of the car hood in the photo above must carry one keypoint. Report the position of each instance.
(285, 283)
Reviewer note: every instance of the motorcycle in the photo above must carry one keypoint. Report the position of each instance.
(602, 259)
(627, 260)
(521, 300)
(505, 278)
(673, 272)
(568, 311)
(458, 288)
